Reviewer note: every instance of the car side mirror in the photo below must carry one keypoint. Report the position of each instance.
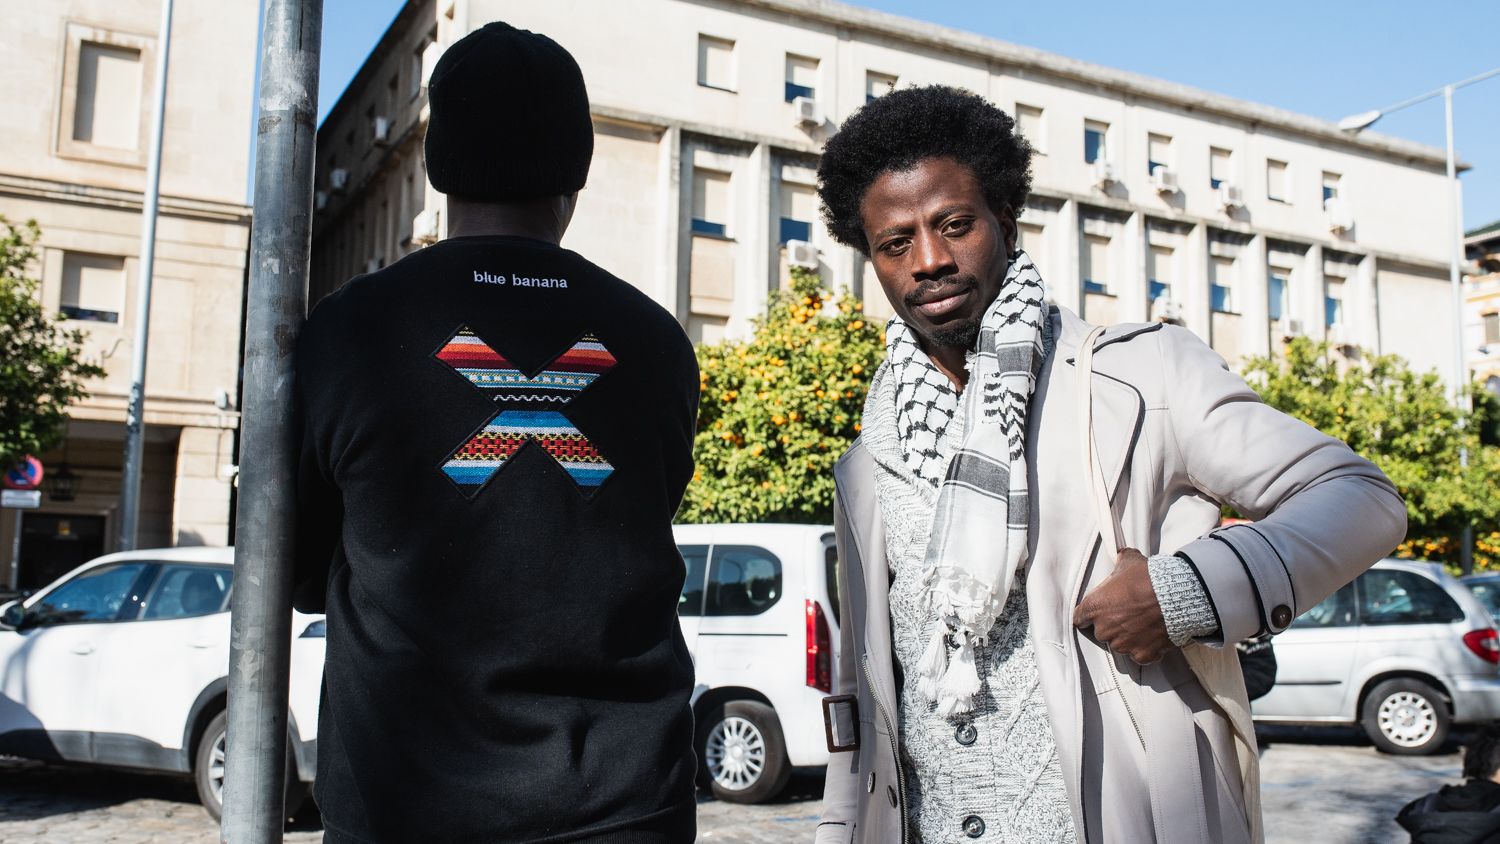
(13, 615)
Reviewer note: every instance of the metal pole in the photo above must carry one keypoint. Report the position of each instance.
(1455, 280)
(130, 480)
(15, 556)
(280, 244)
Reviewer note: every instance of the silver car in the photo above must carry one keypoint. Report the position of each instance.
(1405, 651)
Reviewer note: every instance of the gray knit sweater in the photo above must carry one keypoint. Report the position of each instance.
(997, 766)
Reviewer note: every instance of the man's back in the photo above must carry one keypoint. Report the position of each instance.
(497, 435)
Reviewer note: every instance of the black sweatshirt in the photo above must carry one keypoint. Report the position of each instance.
(496, 435)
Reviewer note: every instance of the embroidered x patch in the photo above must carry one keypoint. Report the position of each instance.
(527, 411)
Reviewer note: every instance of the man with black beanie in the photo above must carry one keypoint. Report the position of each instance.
(496, 435)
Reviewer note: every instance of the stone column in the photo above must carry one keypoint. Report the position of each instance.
(1313, 293)
(1192, 289)
(1253, 297)
(752, 212)
(1134, 304)
(200, 506)
(671, 288)
(1364, 310)
(1064, 283)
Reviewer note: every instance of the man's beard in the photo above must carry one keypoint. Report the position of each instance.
(956, 335)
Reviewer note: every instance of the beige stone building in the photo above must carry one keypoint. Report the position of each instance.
(1482, 320)
(1152, 200)
(77, 77)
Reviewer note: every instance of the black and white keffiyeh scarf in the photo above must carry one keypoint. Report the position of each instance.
(983, 506)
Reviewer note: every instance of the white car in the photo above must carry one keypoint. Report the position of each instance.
(759, 611)
(1405, 651)
(124, 662)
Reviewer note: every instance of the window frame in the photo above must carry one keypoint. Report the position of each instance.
(688, 570)
(1284, 196)
(163, 569)
(74, 36)
(130, 608)
(1101, 151)
(702, 75)
(1359, 603)
(710, 596)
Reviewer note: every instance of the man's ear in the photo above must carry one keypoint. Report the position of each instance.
(1007, 219)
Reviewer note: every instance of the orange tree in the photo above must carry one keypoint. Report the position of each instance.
(1403, 422)
(777, 410)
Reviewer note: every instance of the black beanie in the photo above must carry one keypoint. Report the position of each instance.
(508, 119)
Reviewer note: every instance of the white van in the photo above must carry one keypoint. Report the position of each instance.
(759, 611)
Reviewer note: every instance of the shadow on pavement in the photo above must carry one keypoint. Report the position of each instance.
(1270, 734)
(805, 784)
(36, 790)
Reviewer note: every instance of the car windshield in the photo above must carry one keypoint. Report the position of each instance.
(1487, 590)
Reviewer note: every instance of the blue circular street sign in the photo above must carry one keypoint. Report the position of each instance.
(25, 475)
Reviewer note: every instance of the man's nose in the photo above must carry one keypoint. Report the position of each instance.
(931, 257)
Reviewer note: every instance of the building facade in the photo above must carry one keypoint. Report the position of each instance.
(1152, 200)
(78, 76)
(1482, 318)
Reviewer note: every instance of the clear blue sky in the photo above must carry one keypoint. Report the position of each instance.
(1326, 58)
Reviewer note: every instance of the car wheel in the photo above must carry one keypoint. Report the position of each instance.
(208, 771)
(1406, 717)
(741, 752)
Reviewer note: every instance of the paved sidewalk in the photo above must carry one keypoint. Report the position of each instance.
(1325, 785)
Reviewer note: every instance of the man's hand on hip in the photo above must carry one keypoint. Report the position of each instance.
(1124, 611)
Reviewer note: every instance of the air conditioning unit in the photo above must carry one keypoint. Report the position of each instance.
(424, 227)
(1104, 173)
(806, 110)
(800, 253)
(380, 130)
(1340, 217)
(372, 265)
(1287, 328)
(338, 179)
(1164, 180)
(1166, 310)
(320, 200)
(1230, 197)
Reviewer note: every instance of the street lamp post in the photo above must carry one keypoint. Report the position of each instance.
(1364, 120)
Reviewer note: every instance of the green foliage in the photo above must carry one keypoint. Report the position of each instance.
(41, 371)
(777, 410)
(1402, 421)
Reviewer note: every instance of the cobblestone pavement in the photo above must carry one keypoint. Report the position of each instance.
(1326, 780)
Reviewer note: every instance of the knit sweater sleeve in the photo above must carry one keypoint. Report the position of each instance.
(1185, 605)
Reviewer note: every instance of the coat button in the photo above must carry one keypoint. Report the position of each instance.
(973, 826)
(1281, 616)
(890, 792)
(966, 734)
(870, 784)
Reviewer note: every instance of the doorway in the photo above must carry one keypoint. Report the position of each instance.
(52, 544)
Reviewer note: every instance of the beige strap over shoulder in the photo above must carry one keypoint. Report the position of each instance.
(1217, 669)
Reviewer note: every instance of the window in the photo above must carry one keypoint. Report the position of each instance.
(1159, 152)
(1276, 180)
(1221, 286)
(1330, 187)
(799, 206)
(1029, 122)
(1160, 273)
(1333, 301)
(801, 77)
(187, 591)
(1337, 610)
(1218, 167)
(1032, 240)
(1277, 287)
(1096, 269)
(107, 110)
(1491, 329)
(1388, 596)
(93, 287)
(107, 593)
(710, 202)
(878, 85)
(696, 559)
(1095, 135)
(715, 63)
(422, 60)
(742, 580)
(1487, 590)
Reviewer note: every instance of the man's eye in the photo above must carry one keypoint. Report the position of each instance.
(958, 226)
(894, 247)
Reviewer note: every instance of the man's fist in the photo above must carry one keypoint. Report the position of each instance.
(1124, 612)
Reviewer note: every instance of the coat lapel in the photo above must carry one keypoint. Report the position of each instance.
(858, 495)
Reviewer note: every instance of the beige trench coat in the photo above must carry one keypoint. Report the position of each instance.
(1146, 753)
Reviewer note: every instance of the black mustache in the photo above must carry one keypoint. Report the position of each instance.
(952, 286)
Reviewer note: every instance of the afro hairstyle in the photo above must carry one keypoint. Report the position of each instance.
(894, 132)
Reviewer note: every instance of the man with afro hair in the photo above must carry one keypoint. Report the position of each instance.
(1036, 595)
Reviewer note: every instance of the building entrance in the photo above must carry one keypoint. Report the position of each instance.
(53, 544)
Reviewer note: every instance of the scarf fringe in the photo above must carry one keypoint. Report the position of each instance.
(960, 685)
